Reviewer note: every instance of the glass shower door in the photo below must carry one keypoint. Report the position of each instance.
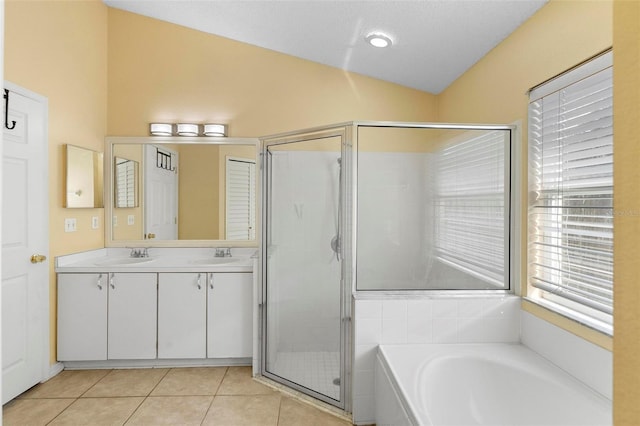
(302, 266)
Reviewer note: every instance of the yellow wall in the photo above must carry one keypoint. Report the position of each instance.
(199, 207)
(163, 72)
(560, 35)
(626, 95)
(58, 49)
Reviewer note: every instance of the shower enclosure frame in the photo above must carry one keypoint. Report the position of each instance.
(344, 245)
(348, 238)
(513, 213)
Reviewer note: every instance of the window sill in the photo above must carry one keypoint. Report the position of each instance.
(581, 319)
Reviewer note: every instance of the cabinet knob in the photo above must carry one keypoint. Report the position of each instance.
(99, 282)
(211, 281)
(111, 283)
(198, 282)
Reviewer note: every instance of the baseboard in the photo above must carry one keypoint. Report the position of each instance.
(156, 363)
(54, 370)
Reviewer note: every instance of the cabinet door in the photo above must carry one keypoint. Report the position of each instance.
(182, 315)
(82, 317)
(230, 316)
(133, 313)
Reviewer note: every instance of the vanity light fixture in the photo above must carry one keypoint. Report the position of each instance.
(187, 129)
(379, 40)
(215, 130)
(161, 129)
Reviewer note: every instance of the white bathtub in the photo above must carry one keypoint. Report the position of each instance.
(480, 384)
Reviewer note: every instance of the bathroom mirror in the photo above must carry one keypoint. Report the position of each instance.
(84, 178)
(181, 191)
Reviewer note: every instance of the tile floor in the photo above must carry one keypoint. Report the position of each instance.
(173, 396)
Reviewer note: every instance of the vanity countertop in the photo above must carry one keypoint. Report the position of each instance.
(159, 260)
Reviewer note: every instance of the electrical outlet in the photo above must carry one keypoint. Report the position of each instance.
(130, 219)
(70, 225)
(115, 220)
(94, 222)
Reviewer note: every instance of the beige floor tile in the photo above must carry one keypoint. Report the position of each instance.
(241, 410)
(238, 381)
(98, 411)
(33, 411)
(295, 413)
(138, 382)
(68, 384)
(190, 381)
(171, 410)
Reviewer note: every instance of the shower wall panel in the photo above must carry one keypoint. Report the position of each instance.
(395, 221)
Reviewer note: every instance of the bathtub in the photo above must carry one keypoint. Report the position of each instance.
(480, 384)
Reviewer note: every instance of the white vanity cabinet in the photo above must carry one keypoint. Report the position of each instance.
(154, 315)
(82, 317)
(132, 317)
(229, 315)
(106, 316)
(182, 315)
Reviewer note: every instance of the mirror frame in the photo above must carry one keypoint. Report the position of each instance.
(110, 141)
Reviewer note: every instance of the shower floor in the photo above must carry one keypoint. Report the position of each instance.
(313, 370)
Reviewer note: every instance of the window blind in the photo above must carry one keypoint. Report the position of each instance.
(570, 255)
(240, 200)
(471, 206)
(125, 183)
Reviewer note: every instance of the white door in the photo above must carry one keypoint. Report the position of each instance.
(230, 315)
(160, 193)
(133, 315)
(82, 317)
(182, 315)
(25, 233)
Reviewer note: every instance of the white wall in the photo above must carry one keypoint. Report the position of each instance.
(585, 361)
(395, 228)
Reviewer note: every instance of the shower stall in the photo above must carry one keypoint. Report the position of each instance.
(377, 208)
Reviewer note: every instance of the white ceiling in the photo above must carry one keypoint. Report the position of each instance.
(435, 41)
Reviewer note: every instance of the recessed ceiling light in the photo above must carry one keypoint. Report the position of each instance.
(379, 40)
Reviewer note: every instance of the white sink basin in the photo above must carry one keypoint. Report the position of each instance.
(124, 261)
(215, 260)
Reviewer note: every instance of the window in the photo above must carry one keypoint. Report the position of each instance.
(472, 207)
(570, 257)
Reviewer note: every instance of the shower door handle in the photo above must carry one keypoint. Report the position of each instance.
(335, 246)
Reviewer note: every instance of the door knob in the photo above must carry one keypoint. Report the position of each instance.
(37, 258)
(151, 236)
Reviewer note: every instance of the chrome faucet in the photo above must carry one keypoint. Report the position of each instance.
(222, 252)
(140, 252)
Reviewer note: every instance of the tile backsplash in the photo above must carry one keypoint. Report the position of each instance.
(430, 320)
